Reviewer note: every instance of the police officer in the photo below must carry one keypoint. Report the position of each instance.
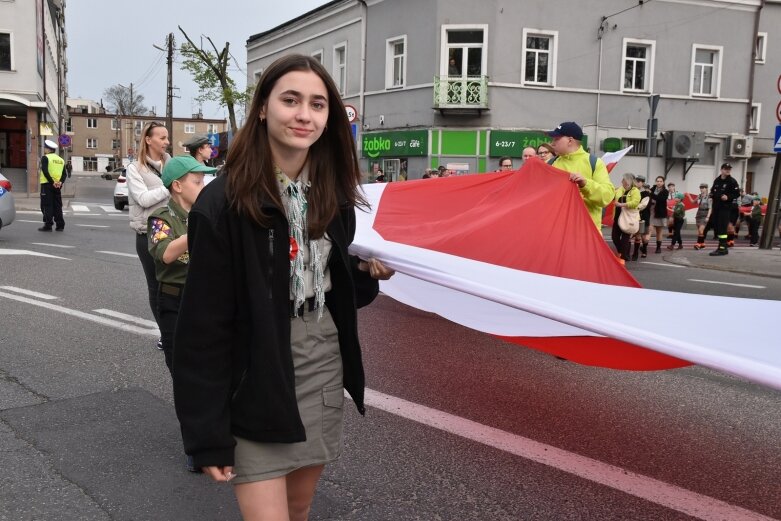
(723, 192)
(167, 236)
(199, 147)
(51, 178)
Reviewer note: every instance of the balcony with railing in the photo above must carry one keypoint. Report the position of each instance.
(461, 95)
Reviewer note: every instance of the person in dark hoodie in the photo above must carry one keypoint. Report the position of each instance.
(267, 338)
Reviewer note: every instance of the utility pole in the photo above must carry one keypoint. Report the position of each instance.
(169, 98)
(771, 214)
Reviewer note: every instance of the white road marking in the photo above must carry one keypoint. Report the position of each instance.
(79, 208)
(108, 209)
(23, 221)
(118, 253)
(127, 318)
(29, 212)
(29, 293)
(663, 264)
(30, 252)
(93, 225)
(85, 215)
(86, 316)
(52, 245)
(728, 283)
(644, 487)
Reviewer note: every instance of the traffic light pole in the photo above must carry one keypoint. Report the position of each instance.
(771, 215)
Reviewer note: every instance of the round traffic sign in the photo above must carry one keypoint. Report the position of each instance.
(352, 114)
(215, 152)
(778, 112)
(778, 84)
(64, 140)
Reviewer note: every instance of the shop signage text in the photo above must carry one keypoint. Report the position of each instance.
(396, 144)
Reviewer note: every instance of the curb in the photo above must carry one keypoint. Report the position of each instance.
(683, 261)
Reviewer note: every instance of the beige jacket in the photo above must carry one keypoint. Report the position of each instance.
(145, 192)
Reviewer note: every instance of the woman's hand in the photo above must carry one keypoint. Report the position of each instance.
(376, 269)
(219, 473)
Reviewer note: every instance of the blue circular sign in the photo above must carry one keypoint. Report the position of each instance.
(64, 140)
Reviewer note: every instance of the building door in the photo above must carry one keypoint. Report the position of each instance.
(391, 168)
(465, 63)
(749, 182)
(17, 146)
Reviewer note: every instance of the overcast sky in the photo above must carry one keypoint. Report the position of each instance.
(110, 42)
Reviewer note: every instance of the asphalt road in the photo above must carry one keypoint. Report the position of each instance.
(460, 426)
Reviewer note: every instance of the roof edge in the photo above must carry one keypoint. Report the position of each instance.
(293, 21)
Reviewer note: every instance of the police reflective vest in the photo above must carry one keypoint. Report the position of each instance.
(55, 165)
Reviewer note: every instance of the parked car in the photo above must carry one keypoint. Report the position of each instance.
(113, 174)
(7, 205)
(120, 192)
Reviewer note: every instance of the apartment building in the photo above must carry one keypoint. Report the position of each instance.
(100, 139)
(462, 83)
(32, 84)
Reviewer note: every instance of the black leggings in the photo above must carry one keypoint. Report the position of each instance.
(620, 240)
(148, 263)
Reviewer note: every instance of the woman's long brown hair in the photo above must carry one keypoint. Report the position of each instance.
(333, 163)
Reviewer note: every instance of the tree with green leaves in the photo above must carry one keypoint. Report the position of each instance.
(209, 69)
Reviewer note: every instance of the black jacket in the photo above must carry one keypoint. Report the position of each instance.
(645, 213)
(727, 186)
(659, 202)
(233, 366)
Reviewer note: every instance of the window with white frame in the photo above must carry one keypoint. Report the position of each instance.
(211, 128)
(115, 124)
(340, 67)
(68, 125)
(137, 127)
(464, 51)
(189, 128)
(318, 55)
(92, 122)
(760, 48)
(395, 61)
(92, 142)
(539, 57)
(116, 144)
(638, 65)
(706, 70)
(6, 57)
(756, 112)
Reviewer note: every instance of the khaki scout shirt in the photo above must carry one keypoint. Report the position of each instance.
(164, 225)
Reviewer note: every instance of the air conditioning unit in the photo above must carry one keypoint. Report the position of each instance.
(740, 146)
(683, 144)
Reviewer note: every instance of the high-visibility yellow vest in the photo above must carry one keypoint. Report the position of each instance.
(56, 167)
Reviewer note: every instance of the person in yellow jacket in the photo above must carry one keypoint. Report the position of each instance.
(585, 170)
(627, 198)
(51, 176)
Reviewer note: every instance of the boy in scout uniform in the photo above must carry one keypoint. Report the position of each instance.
(167, 232)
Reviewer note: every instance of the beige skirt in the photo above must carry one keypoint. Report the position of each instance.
(320, 395)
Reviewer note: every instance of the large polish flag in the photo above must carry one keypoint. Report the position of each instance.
(516, 255)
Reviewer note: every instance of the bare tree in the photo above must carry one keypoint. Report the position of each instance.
(209, 71)
(123, 101)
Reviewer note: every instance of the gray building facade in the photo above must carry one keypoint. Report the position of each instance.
(461, 83)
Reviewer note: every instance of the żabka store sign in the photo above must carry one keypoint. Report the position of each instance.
(403, 143)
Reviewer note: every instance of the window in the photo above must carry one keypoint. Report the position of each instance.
(395, 62)
(116, 144)
(115, 124)
(539, 62)
(189, 128)
(68, 125)
(760, 48)
(638, 66)
(340, 67)
(92, 122)
(211, 128)
(6, 63)
(137, 126)
(92, 143)
(706, 70)
(257, 74)
(756, 111)
(318, 55)
(463, 51)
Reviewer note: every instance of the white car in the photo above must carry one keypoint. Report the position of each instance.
(120, 192)
(7, 205)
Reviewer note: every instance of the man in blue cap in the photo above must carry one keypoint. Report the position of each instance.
(585, 170)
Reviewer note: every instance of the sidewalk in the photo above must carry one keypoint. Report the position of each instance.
(26, 202)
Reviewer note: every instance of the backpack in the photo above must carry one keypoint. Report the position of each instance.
(592, 160)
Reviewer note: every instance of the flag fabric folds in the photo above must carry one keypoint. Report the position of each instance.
(516, 255)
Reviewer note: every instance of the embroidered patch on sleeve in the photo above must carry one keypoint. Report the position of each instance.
(160, 230)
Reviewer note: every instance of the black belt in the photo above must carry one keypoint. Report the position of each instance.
(171, 289)
(308, 305)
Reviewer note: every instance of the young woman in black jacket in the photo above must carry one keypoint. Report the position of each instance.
(267, 337)
(659, 210)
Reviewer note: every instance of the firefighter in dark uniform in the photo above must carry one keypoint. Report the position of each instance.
(167, 233)
(51, 177)
(723, 193)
